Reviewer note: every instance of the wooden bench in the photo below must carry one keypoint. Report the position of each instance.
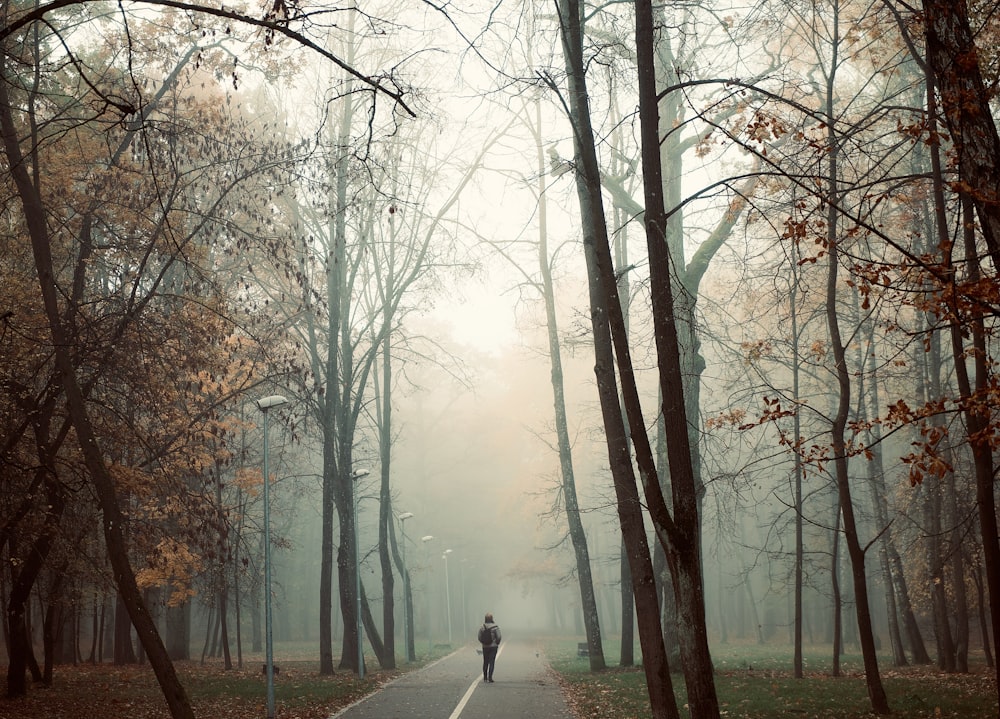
(582, 650)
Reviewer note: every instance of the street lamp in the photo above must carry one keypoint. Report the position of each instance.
(407, 602)
(264, 404)
(447, 591)
(356, 475)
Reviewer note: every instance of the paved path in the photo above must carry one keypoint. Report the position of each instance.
(452, 687)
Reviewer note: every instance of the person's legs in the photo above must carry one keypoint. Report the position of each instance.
(486, 663)
(491, 652)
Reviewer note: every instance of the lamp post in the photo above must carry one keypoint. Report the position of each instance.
(461, 582)
(265, 404)
(407, 602)
(356, 475)
(447, 591)
(425, 540)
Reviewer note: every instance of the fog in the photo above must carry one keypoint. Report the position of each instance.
(475, 464)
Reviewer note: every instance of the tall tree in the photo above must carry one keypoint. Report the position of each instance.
(603, 297)
(955, 60)
(542, 282)
(678, 527)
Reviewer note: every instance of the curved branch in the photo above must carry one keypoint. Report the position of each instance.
(279, 27)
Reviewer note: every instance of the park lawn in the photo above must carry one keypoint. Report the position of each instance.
(752, 682)
(88, 691)
(756, 683)
(104, 691)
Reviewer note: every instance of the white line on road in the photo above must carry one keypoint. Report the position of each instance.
(472, 687)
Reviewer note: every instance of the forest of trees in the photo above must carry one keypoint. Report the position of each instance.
(771, 233)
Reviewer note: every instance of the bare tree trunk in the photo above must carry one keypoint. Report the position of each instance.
(838, 605)
(977, 576)
(682, 532)
(627, 651)
(578, 537)
(855, 552)
(976, 415)
(588, 182)
(52, 624)
(387, 658)
(933, 529)
(329, 510)
(965, 102)
(793, 310)
(18, 603)
(960, 604)
(178, 630)
(876, 484)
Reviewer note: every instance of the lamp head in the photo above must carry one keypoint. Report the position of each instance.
(359, 473)
(275, 400)
(404, 516)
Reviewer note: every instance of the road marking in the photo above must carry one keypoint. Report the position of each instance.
(468, 693)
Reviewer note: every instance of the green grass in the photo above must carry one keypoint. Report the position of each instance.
(755, 682)
(298, 684)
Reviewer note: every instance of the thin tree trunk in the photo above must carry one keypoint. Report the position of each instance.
(876, 484)
(595, 240)
(18, 603)
(960, 605)
(386, 658)
(682, 532)
(977, 575)
(838, 623)
(338, 489)
(627, 651)
(209, 631)
(855, 552)
(577, 534)
(793, 308)
(977, 421)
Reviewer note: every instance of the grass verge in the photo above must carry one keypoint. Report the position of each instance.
(88, 691)
(757, 683)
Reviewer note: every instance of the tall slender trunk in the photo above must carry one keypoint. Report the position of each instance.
(855, 552)
(793, 310)
(838, 604)
(954, 59)
(387, 658)
(622, 220)
(976, 411)
(682, 532)
(342, 488)
(596, 253)
(869, 407)
(956, 565)
(329, 511)
(577, 534)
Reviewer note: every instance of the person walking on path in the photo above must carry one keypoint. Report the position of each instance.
(489, 637)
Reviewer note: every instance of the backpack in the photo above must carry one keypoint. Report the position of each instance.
(485, 635)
